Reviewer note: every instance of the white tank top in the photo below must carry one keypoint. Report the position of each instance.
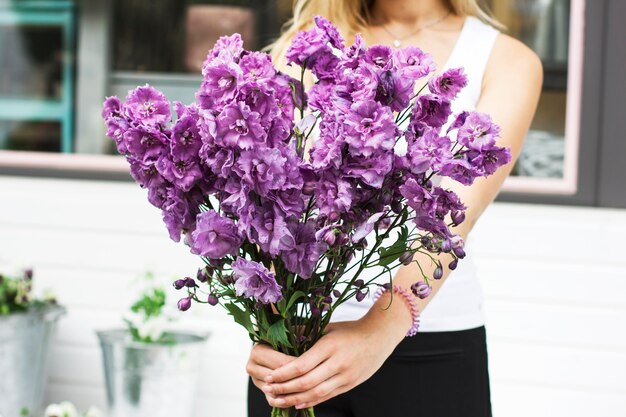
(458, 305)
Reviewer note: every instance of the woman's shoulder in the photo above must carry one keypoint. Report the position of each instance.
(512, 59)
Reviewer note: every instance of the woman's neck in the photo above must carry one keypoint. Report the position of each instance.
(408, 13)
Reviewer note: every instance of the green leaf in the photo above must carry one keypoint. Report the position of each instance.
(294, 297)
(390, 254)
(241, 317)
(277, 334)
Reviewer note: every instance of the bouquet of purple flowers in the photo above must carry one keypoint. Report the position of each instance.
(281, 220)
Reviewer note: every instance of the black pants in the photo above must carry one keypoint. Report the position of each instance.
(438, 374)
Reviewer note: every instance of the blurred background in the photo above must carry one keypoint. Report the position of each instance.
(554, 283)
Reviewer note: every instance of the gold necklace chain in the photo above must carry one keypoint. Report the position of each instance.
(397, 41)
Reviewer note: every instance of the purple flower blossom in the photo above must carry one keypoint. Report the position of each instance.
(428, 151)
(334, 194)
(145, 144)
(379, 56)
(268, 229)
(263, 169)
(413, 63)
(369, 127)
(253, 280)
(334, 37)
(238, 126)
(448, 84)
(183, 173)
(148, 106)
(478, 132)
(226, 47)
(257, 67)
(215, 236)
(429, 110)
(307, 46)
(186, 141)
(221, 79)
(303, 256)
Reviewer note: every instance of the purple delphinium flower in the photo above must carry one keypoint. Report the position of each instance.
(461, 170)
(263, 169)
(394, 90)
(220, 83)
(428, 151)
(489, 160)
(412, 62)
(253, 280)
(431, 111)
(303, 256)
(334, 37)
(215, 236)
(183, 173)
(146, 175)
(186, 141)
(148, 106)
(307, 46)
(371, 170)
(369, 127)
(257, 67)
(379, 56)
(268, 229)
(145, 144)
(449, 83)
(334, 194)
(478, 132)
(238, 126)
(227, 47)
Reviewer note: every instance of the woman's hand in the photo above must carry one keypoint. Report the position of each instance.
(262, 361)
(346, 356)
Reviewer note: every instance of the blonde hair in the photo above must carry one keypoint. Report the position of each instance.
(352, 17)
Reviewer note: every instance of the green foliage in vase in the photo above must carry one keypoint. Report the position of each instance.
(16, 294)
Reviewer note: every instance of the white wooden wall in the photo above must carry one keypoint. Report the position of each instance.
(554, 277)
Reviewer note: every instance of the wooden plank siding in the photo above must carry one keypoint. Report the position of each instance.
(554, 279)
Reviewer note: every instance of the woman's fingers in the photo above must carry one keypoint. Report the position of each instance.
(258, 373)
(301, 365)
(306, 382)
(266, 356)
(319, 393)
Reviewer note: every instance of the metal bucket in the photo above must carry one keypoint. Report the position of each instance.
(151, 379)
(24, 353)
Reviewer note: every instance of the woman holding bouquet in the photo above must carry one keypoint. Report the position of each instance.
(365, 366)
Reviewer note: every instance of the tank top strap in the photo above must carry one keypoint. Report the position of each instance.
(472, 52)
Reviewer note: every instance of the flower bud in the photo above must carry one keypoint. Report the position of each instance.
(458, 217)
(406, 258)
(327, 300)
(336, 293)
(184, 303)
(190, 283)
(459, 252)
(358, 283)
(212, 299)
(179, 283)
(343, 239)
(396, 207)
(315, 311)
(446, 245)
(425, 240)
(421, 289)
(360, 295)
(333, 216)
(330, 237)
(308, 188)
(452, 265)
(387, 286)
(202, 276)
(438, 273)
(28, 274)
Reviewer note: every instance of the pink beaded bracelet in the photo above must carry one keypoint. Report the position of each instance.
(409, 299)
